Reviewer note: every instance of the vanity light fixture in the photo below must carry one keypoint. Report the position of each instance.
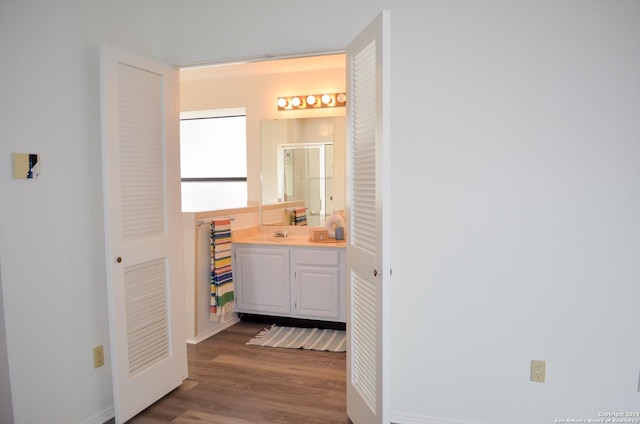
(310, 101)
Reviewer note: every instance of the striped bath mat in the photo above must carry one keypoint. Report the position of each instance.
(301, 338)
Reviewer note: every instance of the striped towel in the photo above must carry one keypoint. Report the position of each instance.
(221, 274)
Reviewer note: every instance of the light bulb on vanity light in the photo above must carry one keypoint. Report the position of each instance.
(326, 99)
(282, 102)
(311, 100)
(296, 101)
(342, 98)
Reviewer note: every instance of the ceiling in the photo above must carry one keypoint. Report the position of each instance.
(276, 66)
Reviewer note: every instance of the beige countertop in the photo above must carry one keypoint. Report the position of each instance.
(296, 236)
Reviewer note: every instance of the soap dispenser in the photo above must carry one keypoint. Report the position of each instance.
(339, 232)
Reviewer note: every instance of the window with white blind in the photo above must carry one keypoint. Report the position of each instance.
(213, 159)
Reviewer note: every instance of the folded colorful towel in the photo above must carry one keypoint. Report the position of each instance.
(299, 216)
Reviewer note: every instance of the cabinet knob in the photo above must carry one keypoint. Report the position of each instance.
(375, 272)
(119, 259)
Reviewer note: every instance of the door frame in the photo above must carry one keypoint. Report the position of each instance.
(386, 265)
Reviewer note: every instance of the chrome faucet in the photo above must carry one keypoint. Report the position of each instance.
(280, 234)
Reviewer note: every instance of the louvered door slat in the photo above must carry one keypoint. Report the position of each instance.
(141, 156)
(146, 314)
(143, 202)
(363, 149)
(364, 339)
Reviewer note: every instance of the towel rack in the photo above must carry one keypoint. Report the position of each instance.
(208, 220)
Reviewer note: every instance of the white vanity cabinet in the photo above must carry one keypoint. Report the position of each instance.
(262, 280)
(318, 289)
(292, 281)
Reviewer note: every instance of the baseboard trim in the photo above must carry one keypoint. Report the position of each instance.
(215, 330)
(405, 418)
(103, 417)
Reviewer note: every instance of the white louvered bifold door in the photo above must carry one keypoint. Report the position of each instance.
(368, 272)
(142, 221)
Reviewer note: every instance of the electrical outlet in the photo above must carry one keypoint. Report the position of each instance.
(538, 370)
(98, 357)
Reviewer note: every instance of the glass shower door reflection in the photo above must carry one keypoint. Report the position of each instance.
(304, 178)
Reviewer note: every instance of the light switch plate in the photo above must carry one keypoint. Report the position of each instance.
(26, 166)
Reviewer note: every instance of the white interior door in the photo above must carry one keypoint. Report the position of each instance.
(141, 170)
(368, 250)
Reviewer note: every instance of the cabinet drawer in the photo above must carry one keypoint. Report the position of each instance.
(318, 257)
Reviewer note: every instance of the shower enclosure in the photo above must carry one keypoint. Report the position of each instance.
(305, 172)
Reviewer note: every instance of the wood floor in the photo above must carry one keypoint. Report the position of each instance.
(232, 383)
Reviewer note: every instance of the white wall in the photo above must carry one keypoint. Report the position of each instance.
(520, 169)
(515, 146)
(51, 229)
(6, 403)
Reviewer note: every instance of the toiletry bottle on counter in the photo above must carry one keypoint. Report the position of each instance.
(339, 232)
(332, 223)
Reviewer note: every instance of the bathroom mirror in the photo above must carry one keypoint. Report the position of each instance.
(303, 165)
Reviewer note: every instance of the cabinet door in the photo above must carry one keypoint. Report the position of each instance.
(262, 280)
(317, 293)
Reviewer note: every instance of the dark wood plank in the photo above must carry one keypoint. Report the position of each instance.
(233, 383)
